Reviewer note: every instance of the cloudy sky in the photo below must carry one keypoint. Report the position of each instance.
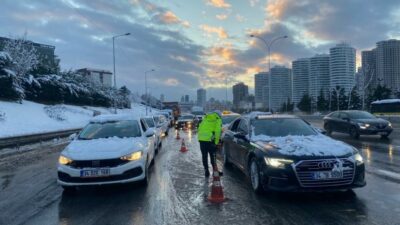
(196, 43)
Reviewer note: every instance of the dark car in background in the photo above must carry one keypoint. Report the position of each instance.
(285, 153)
(186, 121)
(356, 123)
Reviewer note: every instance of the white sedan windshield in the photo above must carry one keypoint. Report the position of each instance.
(111, 129)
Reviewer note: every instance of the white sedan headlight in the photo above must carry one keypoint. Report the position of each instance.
(133, 156)
(277, 163)
(64, 160)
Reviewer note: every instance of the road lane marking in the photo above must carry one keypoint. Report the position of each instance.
(389, 174)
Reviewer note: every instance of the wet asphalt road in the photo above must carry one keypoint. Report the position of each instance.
(177, 193)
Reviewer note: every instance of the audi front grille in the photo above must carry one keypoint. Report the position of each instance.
(305, 170)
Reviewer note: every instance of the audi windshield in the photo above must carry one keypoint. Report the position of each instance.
(280, 127)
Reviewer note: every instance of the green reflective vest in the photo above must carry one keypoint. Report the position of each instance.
(210, 128)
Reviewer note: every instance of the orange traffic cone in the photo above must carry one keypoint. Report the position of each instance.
(217, 194)
(177, 135)
(183, 146)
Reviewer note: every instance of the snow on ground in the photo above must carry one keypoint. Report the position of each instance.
(30, 117)
(386, 101)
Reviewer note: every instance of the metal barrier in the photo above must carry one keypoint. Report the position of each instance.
(34, 138)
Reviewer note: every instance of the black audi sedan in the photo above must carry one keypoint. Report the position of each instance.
(285, 153)
(356, 123)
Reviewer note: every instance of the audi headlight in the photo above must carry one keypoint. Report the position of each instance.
(133, 156)
(64, 160)
(390, 124)
(358, 158)
(363, 125)
(277, 163)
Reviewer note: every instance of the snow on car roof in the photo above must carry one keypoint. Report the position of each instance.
(254, 114)
(112, 118)
(267, 115)
(385, 101)
(312, 145)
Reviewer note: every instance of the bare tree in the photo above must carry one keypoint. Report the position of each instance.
(24, 55)
(365, 83)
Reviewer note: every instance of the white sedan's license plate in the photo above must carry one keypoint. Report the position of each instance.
(325, 175)
(103, 172)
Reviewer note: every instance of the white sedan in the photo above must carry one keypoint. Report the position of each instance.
(150, 122)
(110, 149)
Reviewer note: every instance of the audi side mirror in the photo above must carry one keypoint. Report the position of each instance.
(240, 136)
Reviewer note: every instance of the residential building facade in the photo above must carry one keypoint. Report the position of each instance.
(301, 75)
(342, 66)
(319, 76)
(388, 64)
(368, 69)
(201, 97)
(281, 86)
(240, 93)
(260, 81)
(97, 76)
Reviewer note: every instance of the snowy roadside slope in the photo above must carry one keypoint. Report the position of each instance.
(31, 118)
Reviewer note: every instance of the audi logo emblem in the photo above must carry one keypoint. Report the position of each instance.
(326, 165)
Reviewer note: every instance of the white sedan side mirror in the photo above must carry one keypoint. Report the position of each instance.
(149, 133)
(72, 136)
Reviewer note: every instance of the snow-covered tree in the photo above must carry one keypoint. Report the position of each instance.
(10, 85)
(24, 55)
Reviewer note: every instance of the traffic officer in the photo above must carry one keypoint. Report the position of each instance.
(209, 134)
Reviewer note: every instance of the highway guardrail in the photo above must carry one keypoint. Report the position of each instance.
(17, 141)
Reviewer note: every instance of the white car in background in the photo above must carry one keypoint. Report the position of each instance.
(162, 123)
(151, 124)
(110, 149)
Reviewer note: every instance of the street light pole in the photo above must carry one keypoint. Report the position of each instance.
(269, 62)
(115, 79)
(145, 86)
(226, 91)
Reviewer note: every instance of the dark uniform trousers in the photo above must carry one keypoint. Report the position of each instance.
(208, 148)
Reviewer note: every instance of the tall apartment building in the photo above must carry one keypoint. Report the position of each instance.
(342, 66)
(319, 75)
(265, 93)
(368, 68)
(201, 97)
(260, 81)
(281, 86)
(301, 75)
(388, 63)
(240, 93)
